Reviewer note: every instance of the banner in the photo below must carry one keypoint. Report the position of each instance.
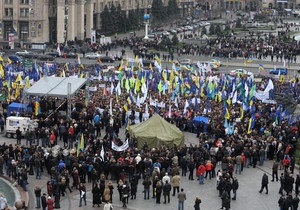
(0, 27)
(120, 148)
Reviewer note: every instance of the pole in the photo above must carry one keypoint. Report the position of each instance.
(69, 101)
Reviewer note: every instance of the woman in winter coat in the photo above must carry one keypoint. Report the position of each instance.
(197, 203)
(75, 178)
(111, 188)
(120, 187)
(158, 191)
(49, 188)
(96, 195)
(50, 203)
(106, 194)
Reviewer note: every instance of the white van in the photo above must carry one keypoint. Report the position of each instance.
(13, 122)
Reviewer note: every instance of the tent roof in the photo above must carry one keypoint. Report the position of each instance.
(56, 86)
(157, 129)
(17, 105)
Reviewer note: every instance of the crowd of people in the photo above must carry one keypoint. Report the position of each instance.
(242, 131)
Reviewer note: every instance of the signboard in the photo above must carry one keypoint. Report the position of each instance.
(0, 27)
(11, 40)
(28, 63)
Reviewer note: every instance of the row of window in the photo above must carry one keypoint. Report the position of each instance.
(21, 1)
(24, 12)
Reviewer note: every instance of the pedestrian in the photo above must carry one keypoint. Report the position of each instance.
(96, 195)
(295, 202)
(50, 203)
(37, 192)
(166, 178)
(176, 183)
(82, 191)
(297, 184)
(106, 194)
(166, 192)
(147, 183)
(3, 201)
(124, 196)
(108, 206)
(44, 201)
(208, 166)
(197, 203)
(225, 200)
(181, 198)
(235, 186)
(275, 171)
(19, 135)
(24, 180)
(264, 183)
(200, 173)
(158, 190)
(282, 183)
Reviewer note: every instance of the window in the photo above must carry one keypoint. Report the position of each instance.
(9, 12)
(8, 1)
(24, 1)
(24, 12)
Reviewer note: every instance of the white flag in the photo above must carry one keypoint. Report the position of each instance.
(110, 107)
(102, 153)
(58, 49)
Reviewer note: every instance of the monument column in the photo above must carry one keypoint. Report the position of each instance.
(60, 23)
(71, 21)
(46, 30)
(80, 19)
(89, 17)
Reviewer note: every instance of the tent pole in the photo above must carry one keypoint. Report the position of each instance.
(69, 102)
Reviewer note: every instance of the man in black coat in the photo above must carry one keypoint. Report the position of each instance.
(235, 186)
(264, 183)
(44, 201)
(166, 191)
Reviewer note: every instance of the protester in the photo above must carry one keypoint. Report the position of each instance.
(264, 183)
(181, 198)
(38, 192)
(197, 203)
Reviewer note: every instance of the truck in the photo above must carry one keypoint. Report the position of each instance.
(13, 122)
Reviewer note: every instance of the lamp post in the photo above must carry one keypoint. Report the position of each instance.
(146, 19)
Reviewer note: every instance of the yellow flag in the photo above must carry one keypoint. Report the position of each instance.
(227, 115)
(249, 125)
(9, 61)
(228, 101)
(121, 65)
(242, 113)
(1, 71)
(281, 79)
(1, 59)
(245, 63)
(19, 78)
(163, 74)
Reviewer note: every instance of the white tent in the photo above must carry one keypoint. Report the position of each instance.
(56, 86)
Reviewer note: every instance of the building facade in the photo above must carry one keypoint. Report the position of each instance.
(38, 21)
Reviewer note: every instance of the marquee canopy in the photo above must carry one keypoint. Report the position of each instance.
(56, 86)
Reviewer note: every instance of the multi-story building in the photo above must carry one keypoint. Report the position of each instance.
(60, 20)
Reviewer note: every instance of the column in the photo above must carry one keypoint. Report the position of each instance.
(60, 23)
(80, 19)
(89, 17)
(45, 28)
(71, 21)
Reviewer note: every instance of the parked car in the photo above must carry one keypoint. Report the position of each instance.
(92, 55)
(241, 71)
(283, 71)
(107, 59)
(53, 54)
(70, 55)
(30, 55)
(217, 62)
(15, 58)
(22, 52)
(212, 65)
(45, 58)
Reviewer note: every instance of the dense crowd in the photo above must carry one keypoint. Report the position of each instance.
(238, 134)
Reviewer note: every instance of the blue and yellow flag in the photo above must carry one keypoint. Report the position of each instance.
(80, 145)
(37, 109)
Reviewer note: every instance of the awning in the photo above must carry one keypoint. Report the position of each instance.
(56, 86)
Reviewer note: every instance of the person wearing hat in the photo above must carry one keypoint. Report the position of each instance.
(50, 203)
(108, 206)
(44, 201)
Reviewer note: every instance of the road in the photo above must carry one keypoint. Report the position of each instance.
(248, 197)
